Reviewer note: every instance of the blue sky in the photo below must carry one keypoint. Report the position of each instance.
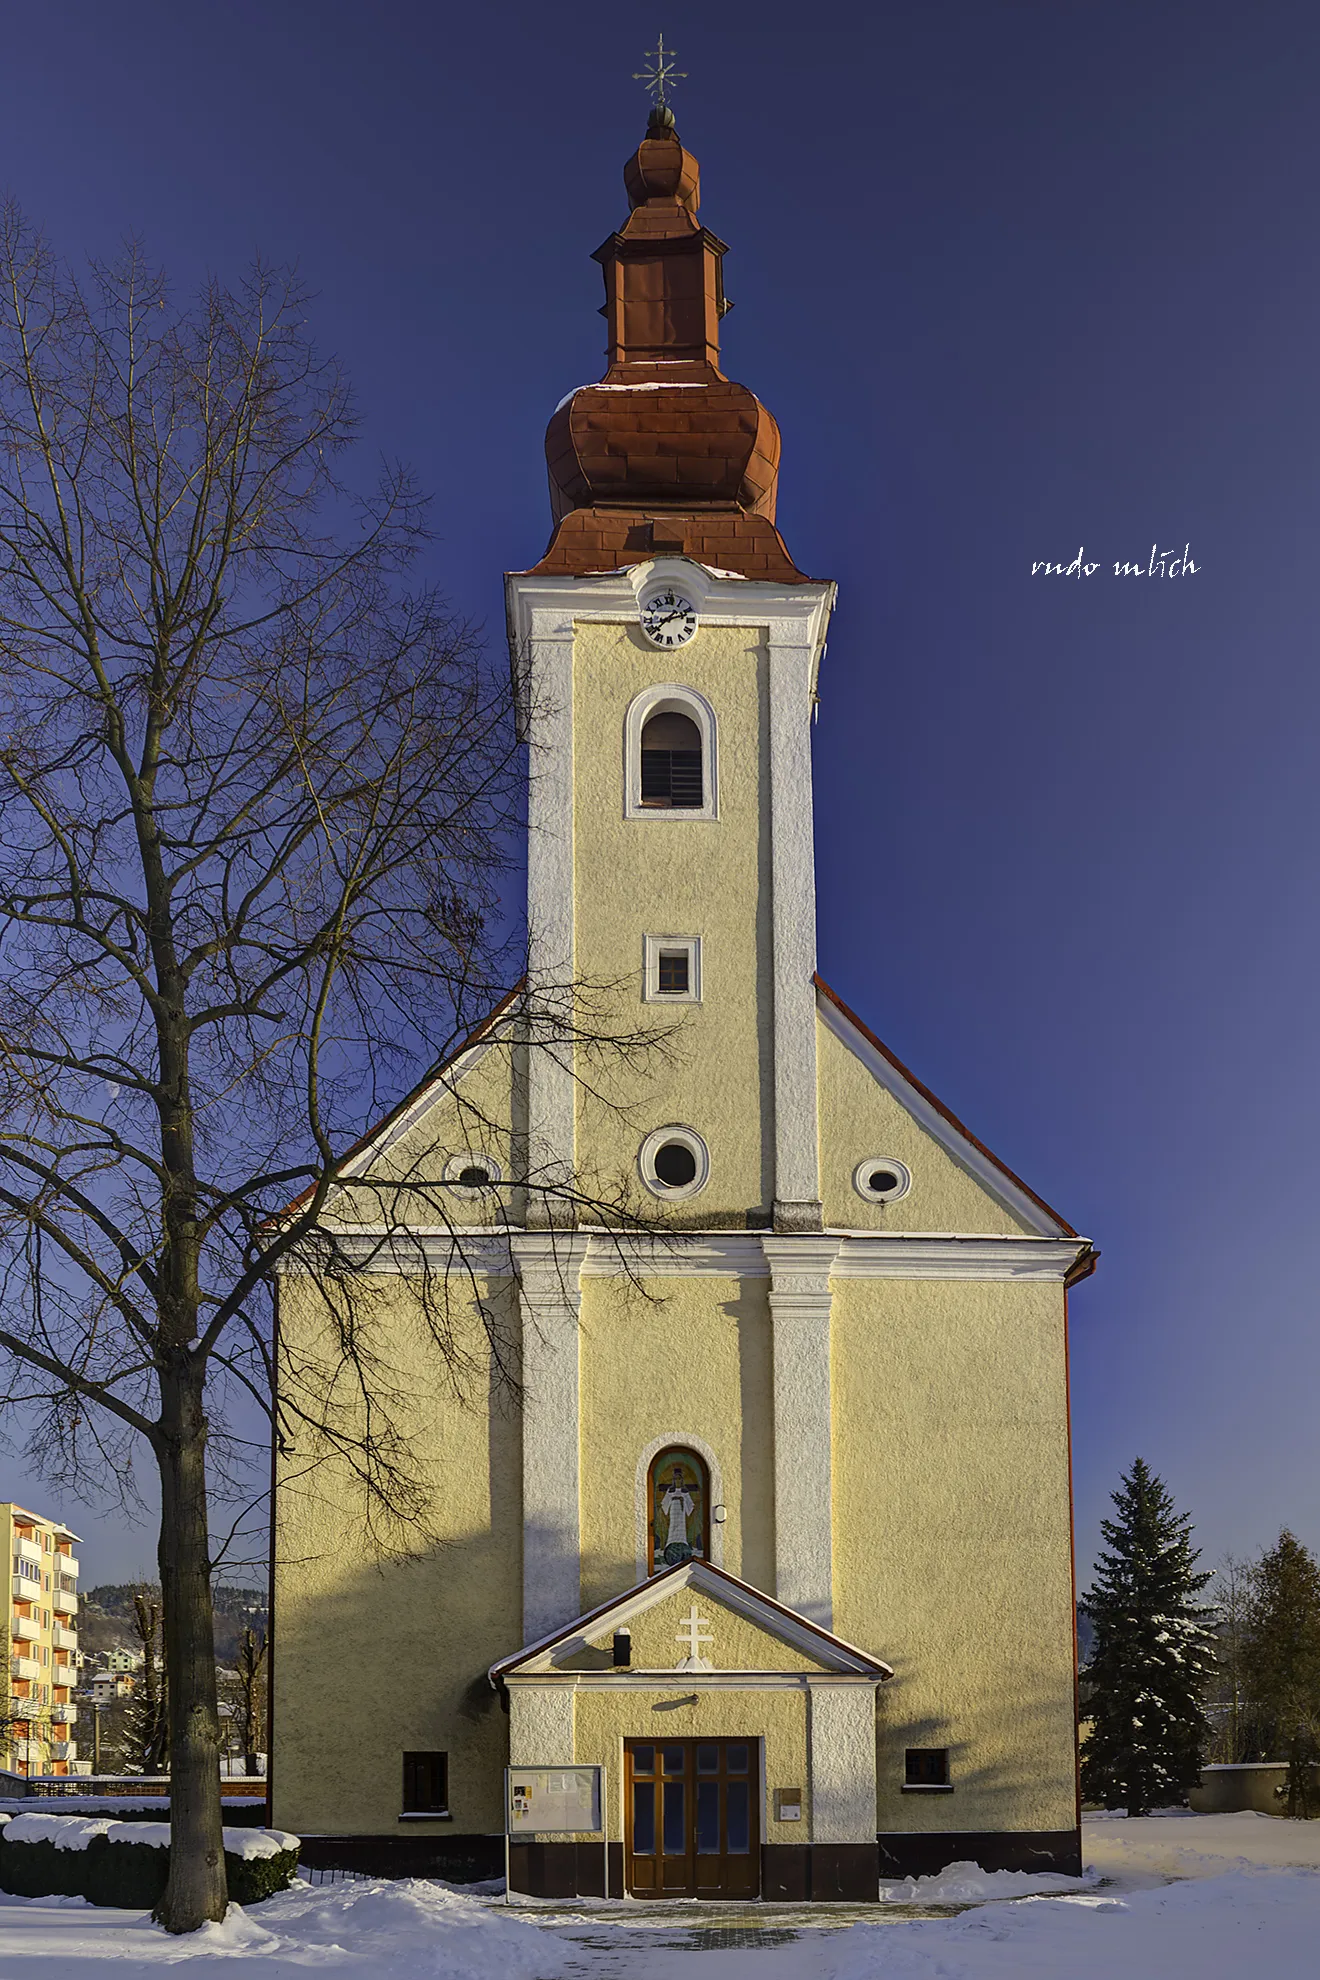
(1014, 278)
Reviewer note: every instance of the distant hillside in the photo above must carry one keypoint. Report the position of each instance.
(105, 1617)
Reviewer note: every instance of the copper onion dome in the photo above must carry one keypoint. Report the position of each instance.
(666, 453)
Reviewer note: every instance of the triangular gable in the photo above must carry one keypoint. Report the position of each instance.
(937, 1120)
(722, 1588)
(405, 1114)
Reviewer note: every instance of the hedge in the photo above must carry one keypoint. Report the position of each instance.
(110, 1869)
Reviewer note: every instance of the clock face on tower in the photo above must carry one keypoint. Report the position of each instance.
(668, 618)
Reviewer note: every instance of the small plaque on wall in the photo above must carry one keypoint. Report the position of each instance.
(788, 1804)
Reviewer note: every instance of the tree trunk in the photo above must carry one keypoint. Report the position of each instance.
(196, 1890)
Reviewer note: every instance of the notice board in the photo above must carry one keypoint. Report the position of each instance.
(555, 1800)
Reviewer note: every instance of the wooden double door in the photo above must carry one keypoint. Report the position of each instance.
(692, 1818)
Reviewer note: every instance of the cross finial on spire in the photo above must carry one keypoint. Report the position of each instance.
(661, 72)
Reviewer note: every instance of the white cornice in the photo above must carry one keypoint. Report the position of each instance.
(541, 609)
(715, 1254)
(899, 1255)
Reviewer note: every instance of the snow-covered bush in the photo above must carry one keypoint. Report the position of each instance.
(125, 1864)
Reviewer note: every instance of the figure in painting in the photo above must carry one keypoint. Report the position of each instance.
(677, 1505)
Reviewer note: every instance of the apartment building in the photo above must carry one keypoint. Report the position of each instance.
(41, 1646)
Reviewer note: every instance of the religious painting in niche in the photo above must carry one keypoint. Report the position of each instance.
(680, 1509)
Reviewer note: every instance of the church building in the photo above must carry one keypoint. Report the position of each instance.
(773, 1522)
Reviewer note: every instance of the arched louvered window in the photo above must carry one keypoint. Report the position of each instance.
(671, 762)
(669, 755)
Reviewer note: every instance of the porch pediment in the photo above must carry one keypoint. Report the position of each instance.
(692, 1622)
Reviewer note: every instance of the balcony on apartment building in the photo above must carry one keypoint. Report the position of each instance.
(25, 1589)
(24, 1627)
(63, 1674)
(27, 1550)
(64, 1749)
(24, 1667)
(67, 1565)
(64, 1715)
(64, 1639)
(64, 1602)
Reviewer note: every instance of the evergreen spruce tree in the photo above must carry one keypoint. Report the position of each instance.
(1153, 1654)
(1283, 1663)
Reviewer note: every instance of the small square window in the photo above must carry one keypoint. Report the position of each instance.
(426, 1783)
(926, 1767)
(671, 969)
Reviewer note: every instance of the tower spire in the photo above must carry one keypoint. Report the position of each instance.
(666, 453)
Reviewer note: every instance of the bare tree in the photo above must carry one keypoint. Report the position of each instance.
(245, 1687)
(255, 800)
(147, 1722)
(1231, 1708)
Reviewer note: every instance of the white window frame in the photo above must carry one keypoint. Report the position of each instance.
(651, 1147)
(669, 698)
(652, 947)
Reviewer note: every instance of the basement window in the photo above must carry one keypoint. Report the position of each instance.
(425, 1785)
(927, 1768)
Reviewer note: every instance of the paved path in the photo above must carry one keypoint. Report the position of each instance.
(617, 1945)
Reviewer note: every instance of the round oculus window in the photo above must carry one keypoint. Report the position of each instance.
(674, 1162)
(882, 1179)
(472, 1173)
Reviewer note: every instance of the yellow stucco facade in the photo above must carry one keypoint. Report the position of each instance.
(839, 1309)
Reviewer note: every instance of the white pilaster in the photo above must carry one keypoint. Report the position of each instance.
(800, 1326)
(541, 646)
(793, 650)
(842, 1763)
(541, 1725)
(548, 1265)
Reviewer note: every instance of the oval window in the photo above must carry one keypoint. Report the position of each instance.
(882, 1179)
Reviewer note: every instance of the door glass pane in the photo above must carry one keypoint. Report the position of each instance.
(643, 1759)
(643, 1833)
(673, 1759)
(735, 1757)
(708, 1818)
(675, 1826)
(739, 1824)
(708, 1759)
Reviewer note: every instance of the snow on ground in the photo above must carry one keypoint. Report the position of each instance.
(365, 1929)
(1214, 1896)
(1185, 1845)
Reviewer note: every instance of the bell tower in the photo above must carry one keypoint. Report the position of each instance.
(666, 648)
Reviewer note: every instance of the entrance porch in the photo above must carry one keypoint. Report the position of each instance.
(738, 1741)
